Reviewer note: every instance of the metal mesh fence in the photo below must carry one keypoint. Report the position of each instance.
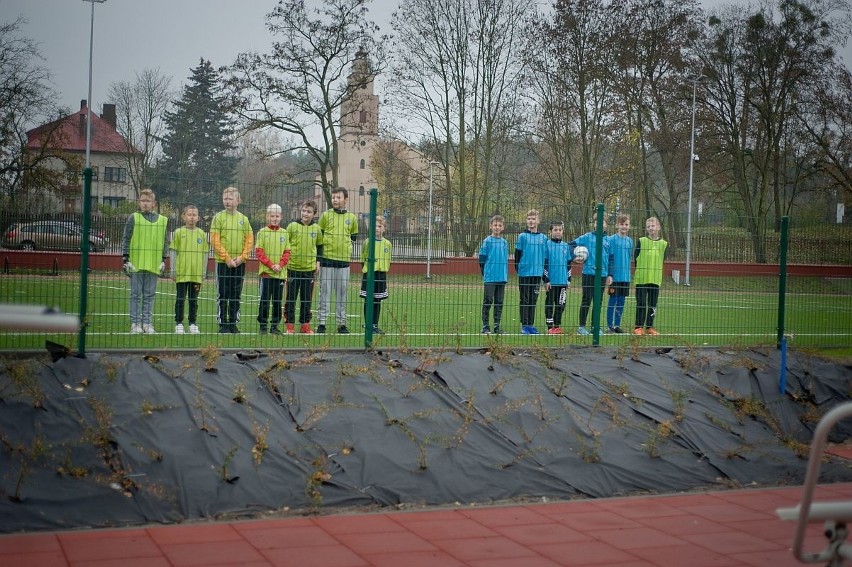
(435, 289)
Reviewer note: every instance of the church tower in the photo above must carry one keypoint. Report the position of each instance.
(359, 132)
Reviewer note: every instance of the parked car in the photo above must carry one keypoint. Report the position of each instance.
(49, 235)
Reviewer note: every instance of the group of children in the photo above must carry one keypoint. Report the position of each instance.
(288, 259)
(540, 260)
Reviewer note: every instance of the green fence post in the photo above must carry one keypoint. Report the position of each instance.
(84, 261)
(782, 278)
(371, 272)
(596, 303)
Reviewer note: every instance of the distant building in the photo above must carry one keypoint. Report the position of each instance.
(110, 155)
(361, 148)
(359, 133)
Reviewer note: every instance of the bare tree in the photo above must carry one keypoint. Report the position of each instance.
(576, 102)
(758, 63)
(654, 64)
(456, 72)
(825, 120)
(26, 99)
(299, 87)
(400, 172)
(140, 105)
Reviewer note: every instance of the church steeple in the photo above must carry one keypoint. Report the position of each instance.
(359, 113)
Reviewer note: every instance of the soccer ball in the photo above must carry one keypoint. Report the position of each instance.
(581, 253)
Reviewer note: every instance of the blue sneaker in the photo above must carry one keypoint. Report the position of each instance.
(532, 330)
(525, 330)
(583, 331)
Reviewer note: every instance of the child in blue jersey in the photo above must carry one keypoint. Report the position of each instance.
(557, 277)
(621, 256)
(494, 265)
(589, 240)
(529, 264)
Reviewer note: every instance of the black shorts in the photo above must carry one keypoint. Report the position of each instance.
(380, 286)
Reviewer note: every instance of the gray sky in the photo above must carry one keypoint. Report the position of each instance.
(172, 35)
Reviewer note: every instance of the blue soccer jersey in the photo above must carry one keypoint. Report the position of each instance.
(531, 245)
(494, 259)
(557, 262)
(589, 240)
(621, 255)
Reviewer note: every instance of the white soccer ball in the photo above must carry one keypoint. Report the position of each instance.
(581, 253)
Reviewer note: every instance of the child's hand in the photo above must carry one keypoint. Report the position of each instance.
(276, 268)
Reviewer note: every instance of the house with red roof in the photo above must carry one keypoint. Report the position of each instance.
(111, 156)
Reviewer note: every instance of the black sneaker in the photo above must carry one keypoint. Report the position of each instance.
(263, 330)
(617, 330)
(234, 330)
(343, 330)
(498, 330)
(224, 329)
(377, 331)
(320, 329)
(486, 330)
(275, 331)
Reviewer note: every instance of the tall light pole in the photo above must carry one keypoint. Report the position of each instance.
(89, 99)
(692, 159)
(432, 165)
(87, 198)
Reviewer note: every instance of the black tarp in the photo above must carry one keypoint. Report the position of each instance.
(126, 439)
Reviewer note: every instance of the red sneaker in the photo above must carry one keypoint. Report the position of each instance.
(555, 331)
(305, 329)
(651, 331)
(638, 331)
(290, 328)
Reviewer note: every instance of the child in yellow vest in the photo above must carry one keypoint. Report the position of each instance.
(650, 253)
(380, 272)
(189, 243)
(272, 250)
(144, 251)
(232, 240)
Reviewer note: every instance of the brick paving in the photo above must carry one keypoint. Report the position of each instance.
(726, 528)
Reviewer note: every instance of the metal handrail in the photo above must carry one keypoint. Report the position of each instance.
(831, 512)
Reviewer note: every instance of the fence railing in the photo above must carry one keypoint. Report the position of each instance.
(708, 243)
(721, 306)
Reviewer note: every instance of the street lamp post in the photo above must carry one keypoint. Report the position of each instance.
(432, 164)
(87, 197)
(89, 99)
(692, 159)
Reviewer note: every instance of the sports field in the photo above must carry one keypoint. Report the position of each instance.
(446, 312)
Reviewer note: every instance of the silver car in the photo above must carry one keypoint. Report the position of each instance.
(49, 235)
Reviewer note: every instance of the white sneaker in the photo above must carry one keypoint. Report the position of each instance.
(135, 328)
(148, 329)
(193, 329)
(179, 329)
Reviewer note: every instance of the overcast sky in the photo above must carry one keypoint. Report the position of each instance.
(172, 35)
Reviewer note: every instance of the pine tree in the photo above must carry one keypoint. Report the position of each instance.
(199, 157)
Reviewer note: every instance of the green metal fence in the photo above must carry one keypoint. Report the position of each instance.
(727, 302)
